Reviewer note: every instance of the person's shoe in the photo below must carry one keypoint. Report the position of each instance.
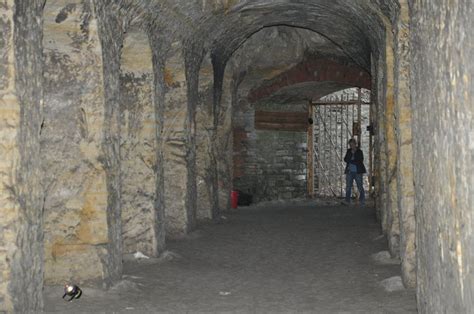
(346, 203)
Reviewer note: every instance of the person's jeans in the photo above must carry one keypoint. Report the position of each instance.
(350, 177)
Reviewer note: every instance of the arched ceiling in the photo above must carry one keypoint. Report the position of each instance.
(345, 24)
(283, 64)
(223, 25)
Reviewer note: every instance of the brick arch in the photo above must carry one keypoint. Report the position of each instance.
(313, 70)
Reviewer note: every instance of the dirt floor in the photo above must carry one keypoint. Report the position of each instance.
(309, 257)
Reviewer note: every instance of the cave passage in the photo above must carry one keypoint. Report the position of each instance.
(126, 126)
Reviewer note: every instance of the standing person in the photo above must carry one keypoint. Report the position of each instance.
(355, 170)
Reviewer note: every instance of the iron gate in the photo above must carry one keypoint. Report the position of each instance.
(336, 119)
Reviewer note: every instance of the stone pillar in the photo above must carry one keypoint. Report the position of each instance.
(175, 145)
(205, 137)
(375, 109)
(158, 49)
(21, 192)
(76, 228)
(111, 29)
(393, 225)
(391, 169)
(138, 146)
(214, 139)
(386, 142)
(405, 187)
(193, 56)
(380, 147)
(180, 147)
(225, 142)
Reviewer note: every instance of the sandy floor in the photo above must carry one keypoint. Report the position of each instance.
(267, 259)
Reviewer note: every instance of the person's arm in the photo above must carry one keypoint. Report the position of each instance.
(347, 158)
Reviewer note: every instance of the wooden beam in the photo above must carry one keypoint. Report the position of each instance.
(281, 127)
(285, 121)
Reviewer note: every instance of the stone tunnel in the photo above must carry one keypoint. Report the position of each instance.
(125, 126)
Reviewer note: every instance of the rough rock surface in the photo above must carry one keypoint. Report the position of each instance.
(179, 217)
(75, 212)
(403, 116)
(443, 50)
(138, 145)
(21, 191)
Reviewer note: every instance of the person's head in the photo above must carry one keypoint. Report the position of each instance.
(352, 143)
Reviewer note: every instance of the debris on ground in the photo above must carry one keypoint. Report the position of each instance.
(139, 255)
(392, 284)
(131, 277)
(126, 286)
(169, 256)
(224, 293)
(380, 237)
(384, 258)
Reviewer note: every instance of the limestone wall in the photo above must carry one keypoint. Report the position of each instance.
(442, 54)
(158, 50)
(76, 192)
(138, 145)
(403, 118)
(390, 149)
(176, 144)
(112, 24)
(225, 142)
(205, 135)
(213, 142)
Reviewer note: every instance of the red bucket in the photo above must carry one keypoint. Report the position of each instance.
(234, 199)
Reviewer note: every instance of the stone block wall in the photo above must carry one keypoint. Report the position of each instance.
(269, 164)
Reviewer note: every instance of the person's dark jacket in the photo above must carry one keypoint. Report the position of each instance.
(358, 160)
